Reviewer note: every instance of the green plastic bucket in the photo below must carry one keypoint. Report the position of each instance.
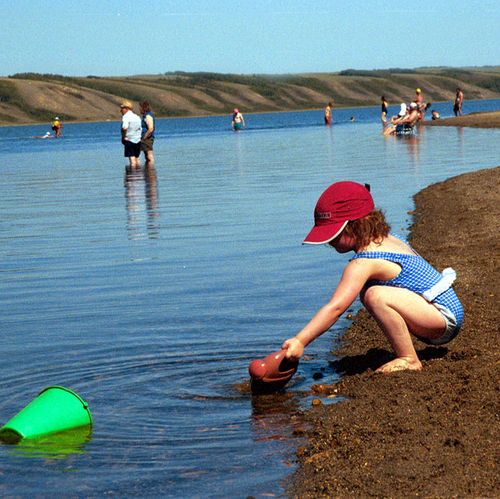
(55, 409)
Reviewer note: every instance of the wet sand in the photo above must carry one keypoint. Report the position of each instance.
(434, 433)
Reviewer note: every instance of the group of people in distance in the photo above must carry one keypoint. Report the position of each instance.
(407, 117)
(138, 134)
(401, 122)
(56, 127)
(413, 113)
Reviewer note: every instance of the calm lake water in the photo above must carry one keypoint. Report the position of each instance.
(149, 293)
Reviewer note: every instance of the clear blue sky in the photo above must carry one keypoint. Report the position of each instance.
(120, 38)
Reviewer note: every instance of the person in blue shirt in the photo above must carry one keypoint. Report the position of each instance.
(147, 132)
(404, 294)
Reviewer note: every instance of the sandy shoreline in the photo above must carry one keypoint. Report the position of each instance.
(476, 120)
(435, 433)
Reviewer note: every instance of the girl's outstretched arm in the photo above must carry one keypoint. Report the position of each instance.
(353, 279)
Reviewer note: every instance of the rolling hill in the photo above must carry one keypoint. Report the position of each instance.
(30, 98)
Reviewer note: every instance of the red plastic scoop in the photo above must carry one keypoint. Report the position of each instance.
(272, 373)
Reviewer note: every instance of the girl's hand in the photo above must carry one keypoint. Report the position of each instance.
(294, 349)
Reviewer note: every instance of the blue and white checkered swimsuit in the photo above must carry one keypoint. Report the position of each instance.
(418, 276)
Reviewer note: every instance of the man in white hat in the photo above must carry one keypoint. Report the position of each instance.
(408, 122)
(131, 134)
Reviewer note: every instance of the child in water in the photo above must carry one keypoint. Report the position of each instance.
(398, 288)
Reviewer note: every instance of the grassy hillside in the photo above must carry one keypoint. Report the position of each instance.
(35, 98)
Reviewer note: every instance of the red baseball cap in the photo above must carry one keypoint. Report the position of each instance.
(339, 204)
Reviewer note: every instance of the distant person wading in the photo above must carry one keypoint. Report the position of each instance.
(147, 132)
(328, 114)
(238, 122)
(385, 107)
(56, 127)
(131, 134)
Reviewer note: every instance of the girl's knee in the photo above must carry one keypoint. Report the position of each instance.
(373, 296)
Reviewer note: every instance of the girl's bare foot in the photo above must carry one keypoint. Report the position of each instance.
(400, 364)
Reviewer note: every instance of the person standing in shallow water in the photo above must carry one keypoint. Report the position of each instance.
(457, 106)
(328, 114)
(238, 121)
(56, 126)
(147, 132)
(385, 107)
(421, 108)
(404, 294)
(131, 134)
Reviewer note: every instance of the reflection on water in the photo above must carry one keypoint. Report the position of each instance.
(412, 142)
(141, 194)
(60, 445)
(274, 417)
